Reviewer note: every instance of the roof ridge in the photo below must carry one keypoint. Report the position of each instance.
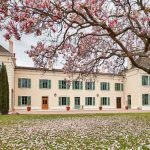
(4, 51)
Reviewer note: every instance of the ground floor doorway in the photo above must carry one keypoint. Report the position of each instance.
(77, 102)
(118, 102)
(45, 102)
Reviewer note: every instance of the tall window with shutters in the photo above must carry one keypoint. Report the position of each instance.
(44, 84)
(24, 83)
(105, 101)
(64, 101)
(77, 85)
(105, 86)
(118, 87)
(63, 84)
(90, 85)
(146, 99)
(24, 100)
(146, 80)
(89, 101)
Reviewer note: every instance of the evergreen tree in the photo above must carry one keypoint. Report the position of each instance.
(0, 88)
(4, 91)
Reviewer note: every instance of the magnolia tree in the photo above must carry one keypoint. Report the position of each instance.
(88, 34)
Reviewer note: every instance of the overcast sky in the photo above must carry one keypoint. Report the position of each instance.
(20, 47)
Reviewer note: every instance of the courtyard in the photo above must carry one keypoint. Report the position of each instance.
(75, 131)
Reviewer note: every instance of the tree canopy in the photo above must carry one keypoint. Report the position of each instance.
(89, 34)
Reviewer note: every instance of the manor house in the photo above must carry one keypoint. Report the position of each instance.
(29, 86)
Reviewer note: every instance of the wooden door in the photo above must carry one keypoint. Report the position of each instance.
(118, 102)
(44, 102)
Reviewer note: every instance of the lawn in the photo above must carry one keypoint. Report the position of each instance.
(71, 132)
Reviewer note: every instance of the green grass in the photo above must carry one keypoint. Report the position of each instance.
(9, 118)
(75, 131)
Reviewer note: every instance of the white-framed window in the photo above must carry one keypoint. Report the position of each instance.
(145, 80)
(63, 84)
(105, 86)
(146, 99)
(44, 84)
(77, 85)
(90, 85)
(24, 100)
(118, 86)
(24, 83)
(63, 101)
(90, 101)
(105, 101)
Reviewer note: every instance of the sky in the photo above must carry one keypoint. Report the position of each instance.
(19, 48)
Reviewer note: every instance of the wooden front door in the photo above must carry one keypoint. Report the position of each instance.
(44, 102)
(118, 102)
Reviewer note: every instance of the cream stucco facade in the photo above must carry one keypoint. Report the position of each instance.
(56, 97)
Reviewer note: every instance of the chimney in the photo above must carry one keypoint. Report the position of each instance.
(50, 65)
(11, 46)
(129, 64)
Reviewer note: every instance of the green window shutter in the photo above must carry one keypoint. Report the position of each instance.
(142, 80)
(86, 101)
(19, 83)
(101, 101)
(59, 84)
(29, 100)
(93, 101)
(86, 85)
(81, 85)
(29, 83)
(72, 84)
(67, 85)
(143, 96)
(121, 87)
(93, 85)
(40, 83)
(59, 103)
(115, 86)
(19, 100)
(108, 86)
(68, 100)
(108, 100)
(49, 84)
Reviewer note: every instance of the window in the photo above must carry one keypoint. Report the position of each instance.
(43, 83)
(77, 85)
(89, 101)
(145, 80)
(63, 84)
(118, 87)
(105, 86)
(105, 101)
(90, 85)
(145, 99)
(24, 100)
(64, 101)
(24, 83)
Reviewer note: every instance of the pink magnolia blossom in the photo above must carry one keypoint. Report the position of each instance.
(88, 34)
